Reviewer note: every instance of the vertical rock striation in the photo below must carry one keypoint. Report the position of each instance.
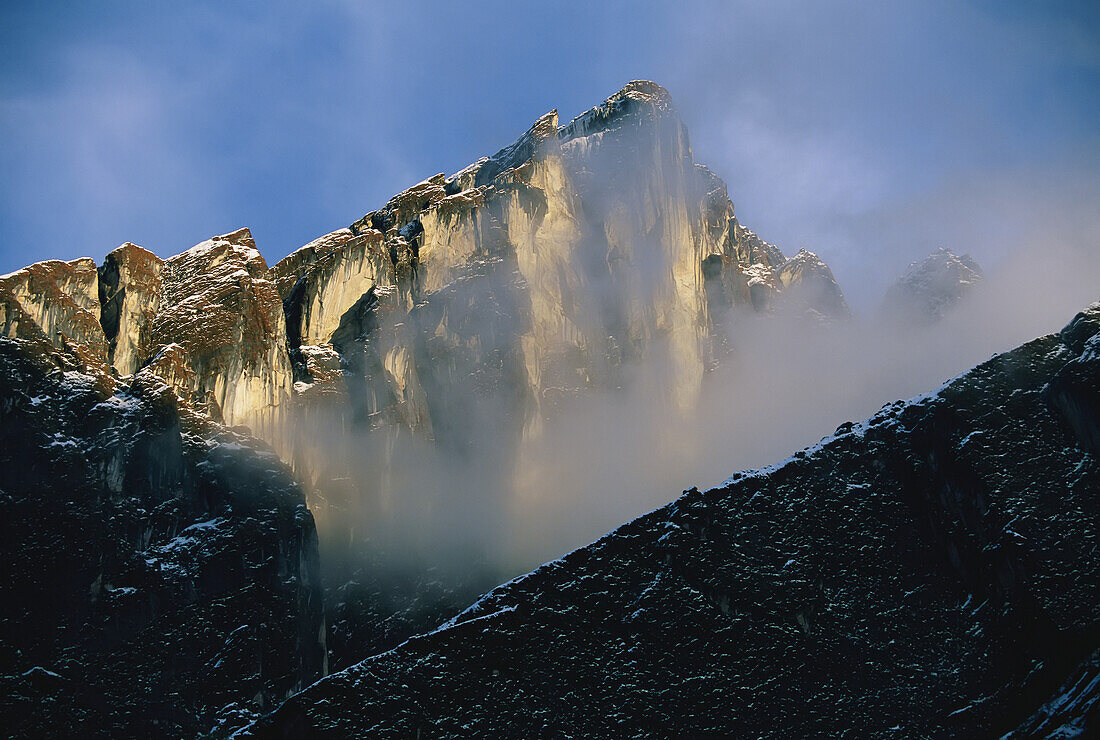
(539, 272)
(58, 300)
(220, 308)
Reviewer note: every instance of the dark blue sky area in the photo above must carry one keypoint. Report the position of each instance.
(868, 135)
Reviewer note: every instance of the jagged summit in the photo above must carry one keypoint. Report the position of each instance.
(637, 97)
(486, 169)
(556, 231)
(931, 287)
(645, 91)
(632, 99)
(811, 281)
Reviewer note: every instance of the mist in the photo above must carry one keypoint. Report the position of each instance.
(786, 385)
(501, 504)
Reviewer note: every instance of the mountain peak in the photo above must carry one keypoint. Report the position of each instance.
(643, 91)
(932, 286)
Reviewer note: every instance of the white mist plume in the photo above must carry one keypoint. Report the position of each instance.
(612, 455)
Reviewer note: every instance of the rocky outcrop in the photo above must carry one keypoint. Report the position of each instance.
(932, 287)
(543, 271)
(220, 308)
(809, 284)
(129, 296)
(1074, 390)
(57, 300)
(932, 571)
(160, 572)
(519, 283)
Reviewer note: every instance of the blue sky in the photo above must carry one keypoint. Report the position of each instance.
(868, 134)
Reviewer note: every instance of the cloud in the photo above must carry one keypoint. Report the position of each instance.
(873, 134)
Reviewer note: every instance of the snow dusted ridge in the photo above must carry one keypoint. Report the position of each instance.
(928, 572)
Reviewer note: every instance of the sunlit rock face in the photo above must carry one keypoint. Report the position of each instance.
(530, 276)
(209, 321)
(527, 278)
(58, 299)
(932, 287)
(490, 298)
(537, 273)
(129, 295)
(221, 309)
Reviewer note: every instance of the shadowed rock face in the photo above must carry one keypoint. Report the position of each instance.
(932, 571)
(160, 572)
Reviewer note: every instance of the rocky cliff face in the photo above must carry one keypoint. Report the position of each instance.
(220, 307)
(929, 572)
(58, 300)
(810, 285)
(130, 287)
(525, 280)
(538, 273)
(160, 572)
(931, 287)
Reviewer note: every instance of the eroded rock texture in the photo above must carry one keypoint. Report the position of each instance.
(220, 307)
(130, 287)
(57, 300)
(932, 571)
